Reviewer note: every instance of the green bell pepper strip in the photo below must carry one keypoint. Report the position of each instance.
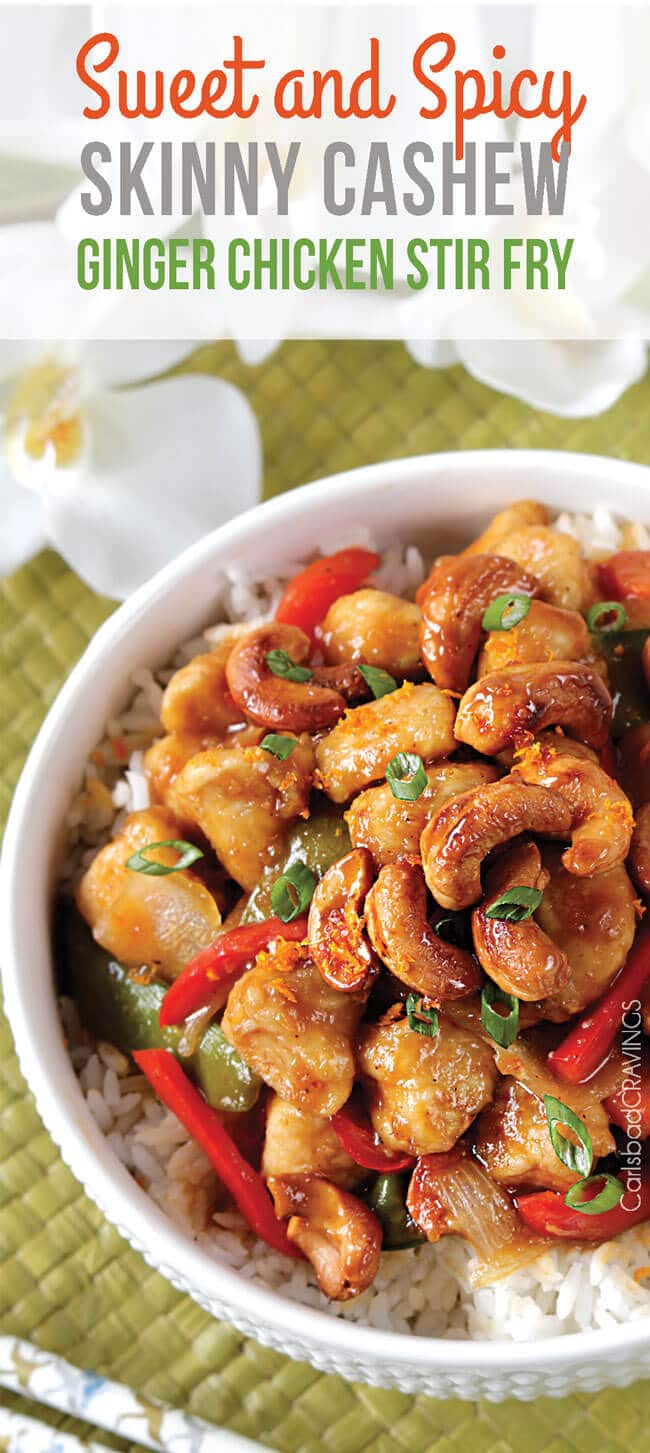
(318, 841)
(622, 652)
(386, 1197)
(114, 1006)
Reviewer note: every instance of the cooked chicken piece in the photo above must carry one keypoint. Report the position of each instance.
(556, 562)
(522, 513)
(298, 1143)
(594, 921)
(424, 1093)
(376, 629)
(514, 1142)
(640, 849)
(546, 633)
(357, 751)
(390, 828)
(337, 1233)
(197, 701)
(167, 757)
(161, 921)
(294, 1030)
(243, 800)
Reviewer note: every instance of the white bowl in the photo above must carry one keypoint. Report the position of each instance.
(435, 501)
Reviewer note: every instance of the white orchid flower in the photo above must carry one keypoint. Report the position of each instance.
(117, 473)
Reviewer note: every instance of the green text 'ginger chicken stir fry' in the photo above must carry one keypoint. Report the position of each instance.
(374, 940)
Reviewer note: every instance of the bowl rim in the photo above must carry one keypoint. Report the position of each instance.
(61, 1104)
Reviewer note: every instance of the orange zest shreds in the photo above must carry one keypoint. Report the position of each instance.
(641, 1274)
(396, 1011)
(501, 649)
(119, 747)
(446, 691)
(283, 955)
(619, 650)
(639, 907)
(284, 990)
(533, 755)
(406, 689)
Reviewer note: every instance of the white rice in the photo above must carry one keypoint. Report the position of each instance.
(425, 1291)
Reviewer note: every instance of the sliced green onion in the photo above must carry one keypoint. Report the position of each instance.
(282, 665)
(606, 615)
(280, 747)
(291, 894)
(505, 611)
(406, 776)
(612, 1192)
(502, 1027)
(140, 863)
(422, 1020)
(379, 681)
(515, 905)
(575, 1157)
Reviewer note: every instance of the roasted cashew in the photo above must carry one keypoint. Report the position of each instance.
(514, 517)
(593, 921)
(297, 1143)
(640, 849)
(424, 1093)
(396, 915)
(455, 841)
(602, 815)
(162, 920)
(337, 942)
(520, 957)
(338, 1234)
(546, 633)
(242, 799)
(375, 628)
(555, 559)
(453, 602)
(273, 701)
(506, 706)
(390, 828)
(358, 750)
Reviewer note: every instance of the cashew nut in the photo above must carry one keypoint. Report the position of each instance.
(273, 701)
(593, 921)
(358, 750)
(390, 828)
(514, 517)
(520, 957)
(455, 841)
(338, 944)
(640, 849)
(546, 633)
(424, 1093)
(555, 559)
(602, 815)
(338, 1234)
(376, 628)
(453, 602)
(508, 705)
(243, 800)
(396, 915)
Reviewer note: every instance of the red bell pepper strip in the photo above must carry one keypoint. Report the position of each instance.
(245, 1185)
(547, 1213)
(626, 574)
(352, 1127)
(589, 1042)
(226, 958)
(310, 594)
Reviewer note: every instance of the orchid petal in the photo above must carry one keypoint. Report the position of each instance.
(569, 378)
(111, 364)
(23, 527)
(167, 463)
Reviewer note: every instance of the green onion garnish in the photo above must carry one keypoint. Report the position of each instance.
(502, 1027)
(515, 905)
(505, 611)
(612, 1192)
(380, 682)
(606, 615)
(280, 747)
(422, 1020)
(575, 1157)
(406, 776)
(140, 863)
(292, 892)
(282, 665)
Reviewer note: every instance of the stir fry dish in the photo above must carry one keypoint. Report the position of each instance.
(376, 936)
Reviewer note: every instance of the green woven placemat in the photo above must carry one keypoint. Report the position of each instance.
(67, 1280)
